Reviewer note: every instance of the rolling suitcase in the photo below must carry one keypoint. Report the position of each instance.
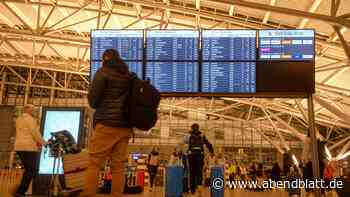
(140, 178)
(174, 181)
(132, 183)
(218, 181)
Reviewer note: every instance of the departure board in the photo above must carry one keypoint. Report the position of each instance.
(135, 67)
(297, 45)
(129, 43)
(94, 66)
(169, 45)
(229, 45)
(173, 76)
(229, 77)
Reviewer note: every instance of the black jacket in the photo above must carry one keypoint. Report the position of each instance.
(107, 95)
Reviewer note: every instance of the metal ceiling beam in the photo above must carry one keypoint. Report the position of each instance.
(229, 19)
(276, 129)
(338, 63)
(190, 11)
(140, 18)
(108, 4)
(335, 74)
(40, 67)
(232, 10)
(53, 8)
(319, 119)
(48, 87)
(287, 11)
(345, 44)
(71, 14)
(339, 143)
(296, 133)
(68, 39)
(73, 24)
(226, 108)
(256, 123)
(278, 147)
(344, 91)
(312, 9)
(267, 14)
(335, 7)
(332, 109)
(16, 15)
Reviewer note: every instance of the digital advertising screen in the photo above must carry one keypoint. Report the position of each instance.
(169, 45)
(229, 45)
(55, 120)
(229, 77)
(173, 76)
(129, 43)
(292, 45)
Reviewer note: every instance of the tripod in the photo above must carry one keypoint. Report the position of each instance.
(55, 188)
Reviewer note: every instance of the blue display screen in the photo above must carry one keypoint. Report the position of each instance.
(173, 76)
(295, 45)
(129, 43)
(229, 77)
(55, 121)
(135, 67)
(171, 45)
(229, 45)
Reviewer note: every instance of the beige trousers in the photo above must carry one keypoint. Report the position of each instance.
(107, 142)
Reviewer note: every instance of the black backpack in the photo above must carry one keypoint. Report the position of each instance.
(142, 104)
(196, 142)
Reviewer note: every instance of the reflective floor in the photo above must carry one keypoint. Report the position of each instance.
(159, 192)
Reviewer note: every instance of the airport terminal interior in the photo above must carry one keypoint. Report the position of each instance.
(267, 82)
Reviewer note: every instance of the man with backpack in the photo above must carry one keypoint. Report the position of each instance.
(196, 142)
(110, 138)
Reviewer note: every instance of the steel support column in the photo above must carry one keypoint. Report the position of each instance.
(2, 88)
(312, 131)
(27, 90)
(52, 91)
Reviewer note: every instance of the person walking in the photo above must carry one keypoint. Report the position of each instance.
(110, 137)
(28, 143)
(197, 140)
(276, 172)
(153, 164)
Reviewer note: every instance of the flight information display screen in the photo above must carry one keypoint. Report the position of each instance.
(169, 45)
(173, 76)
(229, 45)
(135, 67)
(294, 45)
(229, 77)
(129, 43)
